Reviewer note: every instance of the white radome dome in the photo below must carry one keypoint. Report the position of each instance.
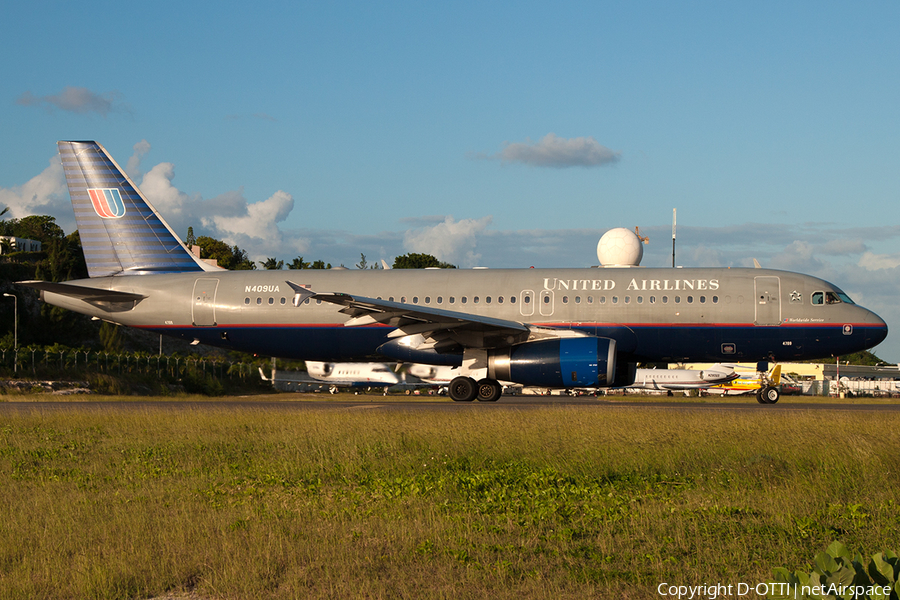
(620, 247)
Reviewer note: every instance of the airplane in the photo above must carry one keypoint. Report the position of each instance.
(683, 379)
(553, 328)
(764, 383)
(365, 374)
(337, 375)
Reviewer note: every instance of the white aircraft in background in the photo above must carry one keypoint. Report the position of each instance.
(683, 379)
(362, 374)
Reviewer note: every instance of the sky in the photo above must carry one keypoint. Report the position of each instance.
(498, 134)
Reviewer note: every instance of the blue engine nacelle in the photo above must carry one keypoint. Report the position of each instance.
(558, 363)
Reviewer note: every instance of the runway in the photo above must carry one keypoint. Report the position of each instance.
(348, 402)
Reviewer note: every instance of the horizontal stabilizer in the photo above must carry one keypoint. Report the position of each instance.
(109, 300)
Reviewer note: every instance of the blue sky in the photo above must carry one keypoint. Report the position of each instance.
(495, 134)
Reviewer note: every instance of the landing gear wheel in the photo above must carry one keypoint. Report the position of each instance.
(769, 395)
(759, 396)
(489, 390)
(463, 389)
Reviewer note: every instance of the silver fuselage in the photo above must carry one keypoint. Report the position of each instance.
(699, 314)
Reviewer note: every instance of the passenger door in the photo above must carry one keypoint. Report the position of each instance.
(768, 301)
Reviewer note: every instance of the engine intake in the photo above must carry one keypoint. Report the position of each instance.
(557, 363)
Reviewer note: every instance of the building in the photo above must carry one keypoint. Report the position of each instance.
(17, 244)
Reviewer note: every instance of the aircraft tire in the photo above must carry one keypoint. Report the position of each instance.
(489, 390)
(463, 389)
(770, 395)
(759, 396)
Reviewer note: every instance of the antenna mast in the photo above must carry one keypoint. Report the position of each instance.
(673, 238)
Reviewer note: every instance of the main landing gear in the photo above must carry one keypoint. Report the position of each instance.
(767, 395)
(464, 389)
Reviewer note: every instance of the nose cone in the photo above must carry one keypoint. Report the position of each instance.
(876, 329)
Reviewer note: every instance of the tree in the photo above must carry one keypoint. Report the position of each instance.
(191, 240)
(419, 261)
(42, 228)
(271, 264)
(298, 263)
(226, 256)
(320, 264)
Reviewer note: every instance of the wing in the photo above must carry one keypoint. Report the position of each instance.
(443, 330)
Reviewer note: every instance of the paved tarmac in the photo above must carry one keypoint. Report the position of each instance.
(309, 402)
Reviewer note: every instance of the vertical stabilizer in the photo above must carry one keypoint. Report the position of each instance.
(121, 233)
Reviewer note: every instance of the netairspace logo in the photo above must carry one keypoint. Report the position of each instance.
(773, 590)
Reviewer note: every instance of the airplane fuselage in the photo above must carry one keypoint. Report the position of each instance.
(653, 314)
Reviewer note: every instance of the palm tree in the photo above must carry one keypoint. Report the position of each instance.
(271, 264)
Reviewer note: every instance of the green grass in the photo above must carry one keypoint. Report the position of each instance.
(566, 502)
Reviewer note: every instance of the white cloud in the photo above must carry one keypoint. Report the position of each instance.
(43, 194)
(558, 153)
(450, 241)
(877, 262)
(77, 100)
(133, 166)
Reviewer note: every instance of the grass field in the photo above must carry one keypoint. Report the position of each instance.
(558, 502)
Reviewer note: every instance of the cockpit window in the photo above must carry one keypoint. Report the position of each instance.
(844, 297)
(835, 297)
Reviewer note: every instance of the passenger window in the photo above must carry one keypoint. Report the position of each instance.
(246, 300)
(512, 299)
(427, 299)
(565, 299)
(259, 301)
(415, 299)
(527, 300)
(440, 299)
(271, 301)
(282, 301)
(499, 299)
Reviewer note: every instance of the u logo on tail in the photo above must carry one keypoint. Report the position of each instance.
(121, 233)
(107, 202)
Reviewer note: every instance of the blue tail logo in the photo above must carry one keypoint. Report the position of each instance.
(107, 202)
(121, 233)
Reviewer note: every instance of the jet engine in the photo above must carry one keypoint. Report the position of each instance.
(560, 363)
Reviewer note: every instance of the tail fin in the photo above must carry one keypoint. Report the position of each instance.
(121, 233)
